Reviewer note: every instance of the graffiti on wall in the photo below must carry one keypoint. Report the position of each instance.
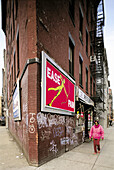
(45, 134)
(58, 131)
(53, 147)
(48, 120)
(57, 128)
(31, 123)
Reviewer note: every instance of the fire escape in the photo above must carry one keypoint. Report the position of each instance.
(97, 42)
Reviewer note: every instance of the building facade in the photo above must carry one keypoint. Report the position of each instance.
(51, 87)
(110, 103)
(104, 106)
(0, 105)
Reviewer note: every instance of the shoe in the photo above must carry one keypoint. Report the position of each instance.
(98, 151)
(94, 153)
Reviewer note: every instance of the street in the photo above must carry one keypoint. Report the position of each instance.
(80, 158)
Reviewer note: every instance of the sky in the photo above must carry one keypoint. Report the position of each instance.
(108, 41)
(2, 46)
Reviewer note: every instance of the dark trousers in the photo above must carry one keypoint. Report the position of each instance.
(96, 143)
(110, 121)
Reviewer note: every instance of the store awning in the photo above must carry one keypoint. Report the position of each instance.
(85, 99)
(90, 104)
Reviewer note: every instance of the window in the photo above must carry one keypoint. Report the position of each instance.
(91, 19)
(91, 85)
(10, 9)
(94, 88)
(71, 58)
(90, 50)
(80, 24)
(13, 20)
(10, 85)
(80, 71)
(16, 7)
(11, 33)
(87, 8)
(86, 42)
(87, 80)
(18, 68)
(12, 78)
(14, 69)
(82, 2)
(71, 9)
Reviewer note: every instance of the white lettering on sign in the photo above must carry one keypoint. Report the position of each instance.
(53, 76)
(70, 104)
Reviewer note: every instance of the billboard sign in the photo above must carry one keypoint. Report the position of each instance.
(58, 88)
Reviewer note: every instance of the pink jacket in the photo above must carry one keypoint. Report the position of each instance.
(96, 132)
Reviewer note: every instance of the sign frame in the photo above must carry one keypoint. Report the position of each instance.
(47, 108)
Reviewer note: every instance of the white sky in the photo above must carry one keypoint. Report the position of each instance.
(108, 40)
(2, 46)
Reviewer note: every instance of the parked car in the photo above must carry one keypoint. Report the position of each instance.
(2, 121)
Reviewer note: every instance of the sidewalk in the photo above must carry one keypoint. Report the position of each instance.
(11, 157)
(80, 158)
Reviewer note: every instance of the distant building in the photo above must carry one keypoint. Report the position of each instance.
(110, 103)
(0, 105)
(4, 88)
(103, 106)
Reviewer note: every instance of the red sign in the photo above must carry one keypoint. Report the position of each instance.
(60, 90)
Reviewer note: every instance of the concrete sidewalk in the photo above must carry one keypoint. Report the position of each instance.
(11, 157)
(80, 158)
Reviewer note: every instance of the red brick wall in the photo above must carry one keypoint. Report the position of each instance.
(24, 112)
(25, 24)
(32, 113)
(27, 31)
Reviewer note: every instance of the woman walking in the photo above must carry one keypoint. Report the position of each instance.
(96, 132)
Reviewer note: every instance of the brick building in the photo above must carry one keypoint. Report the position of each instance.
(49, 80)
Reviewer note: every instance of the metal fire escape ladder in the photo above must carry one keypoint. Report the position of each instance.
(98, 43)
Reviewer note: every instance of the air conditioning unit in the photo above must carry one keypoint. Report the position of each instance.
(92, 58)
